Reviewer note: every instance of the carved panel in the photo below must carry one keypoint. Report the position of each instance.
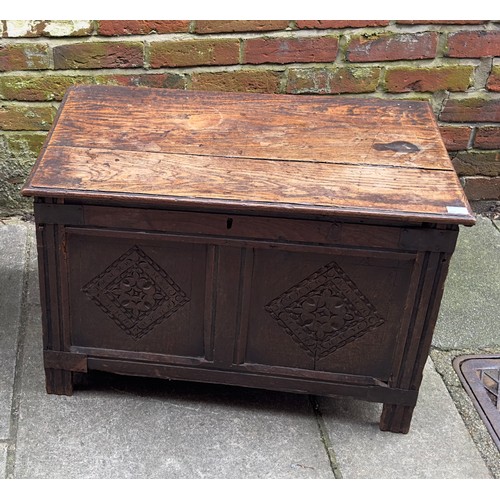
(136, 293)
(324, 312)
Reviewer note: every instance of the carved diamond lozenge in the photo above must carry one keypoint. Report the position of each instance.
(324, 312)
(136, 293)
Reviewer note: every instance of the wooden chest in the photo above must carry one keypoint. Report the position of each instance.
(295, 243)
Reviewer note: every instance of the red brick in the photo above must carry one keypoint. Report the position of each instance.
(352, 80)
(487, 138)
(474, 44)
(238, 81)
(407, 79)
(183, 53)
(14, 57)
(339, 24)
(472, 109)
(477, 163)
(482, 188)
(455, 138)
(15, 117)
(290, 50)
(440, 22)
(493, 83)
(239, 26)
(392, 47)
(158, 80)
(94, 55)
(116, 28)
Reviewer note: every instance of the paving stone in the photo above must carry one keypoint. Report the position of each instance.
(125, 427)
(438, 445)
(12, 264)
(443, 362)
(141, 428)
(153, 429)
(3, 459)
(469, 317)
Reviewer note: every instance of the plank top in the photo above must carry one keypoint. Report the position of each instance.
(304, 154)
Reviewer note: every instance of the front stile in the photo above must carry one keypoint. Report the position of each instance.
(52, 274)
(397, 418)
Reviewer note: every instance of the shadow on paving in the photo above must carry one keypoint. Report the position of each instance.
(130, 427)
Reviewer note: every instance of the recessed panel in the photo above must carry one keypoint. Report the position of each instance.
(322, 312)
(139, 295)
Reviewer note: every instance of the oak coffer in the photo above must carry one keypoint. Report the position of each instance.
(295, 243)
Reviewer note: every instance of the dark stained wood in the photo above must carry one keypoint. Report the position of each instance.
(50, 258)
(244, 227)
(289, 243)
(70, 361)
(275, 382)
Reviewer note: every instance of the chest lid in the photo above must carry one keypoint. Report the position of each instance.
(250, 152)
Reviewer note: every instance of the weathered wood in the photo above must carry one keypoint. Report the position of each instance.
(303, 187)
(71, 361)
(58, 380)
(322, 155)
(248, 227)
(274, 383)
(310, 128)
(285, 242)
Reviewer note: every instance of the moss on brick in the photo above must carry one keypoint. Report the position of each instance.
(352, 79)
(116, 28)
(408, 79)
(237, 81)
(471, 109)
(16, 117)
(24, 56)
(18, 153)
(185, 53)
(338, 24)
(238, 26)
(94, 55)
(493, 83)
(38, 88)
(158, 80)
(477, 163)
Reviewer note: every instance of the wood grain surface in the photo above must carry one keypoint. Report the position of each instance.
(310, 128)
(304, 186)
(314, 153)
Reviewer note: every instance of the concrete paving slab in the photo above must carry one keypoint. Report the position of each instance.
(12, 264)
(468, 318)
(438, 445)
(443, 362)
(3, 460)
(124, 427)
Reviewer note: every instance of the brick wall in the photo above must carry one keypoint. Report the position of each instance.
(453, 64)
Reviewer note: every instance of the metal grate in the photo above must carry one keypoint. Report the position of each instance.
(480, 377)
